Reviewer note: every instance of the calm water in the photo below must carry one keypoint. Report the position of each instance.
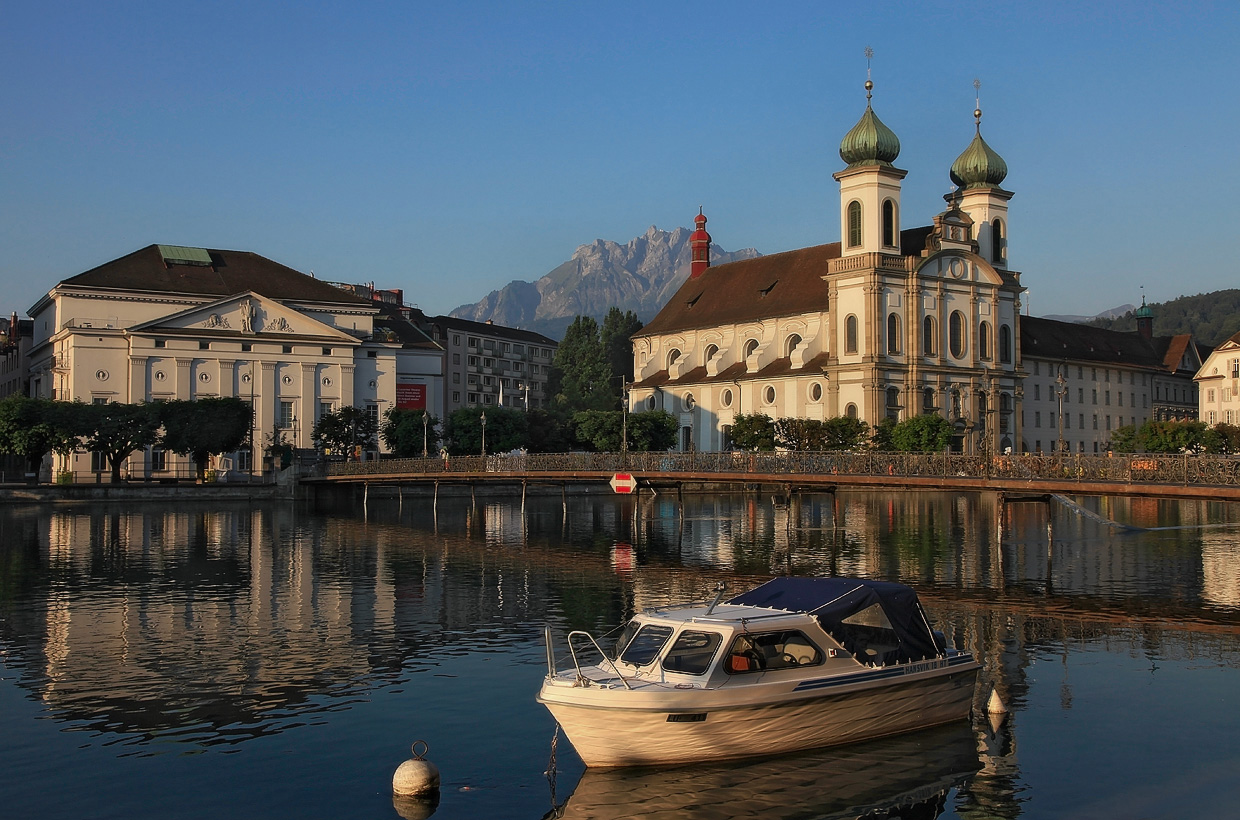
(278, 661)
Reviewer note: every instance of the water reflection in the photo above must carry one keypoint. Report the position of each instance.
(147, 630)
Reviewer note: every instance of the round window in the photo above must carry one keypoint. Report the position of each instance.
(815, 392)
(101, 375)
(688, 401)
(650, 402)
(160, 375)
(286, 379)
(769, 394)
(204, 377)
(726, 398)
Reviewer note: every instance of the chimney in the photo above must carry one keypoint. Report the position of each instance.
(699, 242)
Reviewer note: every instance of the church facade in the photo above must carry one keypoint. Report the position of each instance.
(887, 323)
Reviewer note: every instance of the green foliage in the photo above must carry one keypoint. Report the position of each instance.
(599, 429)
(930, 433)
(402, 431)
(799, 434)
(1227, 437)
(116, 430)
(345, 429)
(1126, 439)
(844, 433)
(881, 438)
(1211, 317)
(652, 431)
(580, 377)
(506, 430)
(546, 433)
(203, 428)
(32, 428)
(1172, 436)
(753, 432)
(617, 340)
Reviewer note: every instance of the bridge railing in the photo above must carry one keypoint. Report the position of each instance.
(1154, 469)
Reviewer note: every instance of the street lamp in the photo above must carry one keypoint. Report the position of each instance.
(624, 422)
(425, 422)
(483, 419)
(1061, 389)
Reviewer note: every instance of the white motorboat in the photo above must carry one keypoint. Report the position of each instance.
(797, 663)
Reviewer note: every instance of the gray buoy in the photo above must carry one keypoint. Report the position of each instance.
(417, 777)
(995, 705)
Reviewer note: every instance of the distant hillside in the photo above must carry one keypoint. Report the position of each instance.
(1112, 313)
(639, 276)
(1212, 318)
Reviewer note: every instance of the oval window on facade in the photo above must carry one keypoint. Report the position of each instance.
(688, 401)
(769, 394)
(815, 392)
(650, 402)
(726, 398)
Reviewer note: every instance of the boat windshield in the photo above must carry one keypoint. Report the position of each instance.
(692, 652)
(645, 645)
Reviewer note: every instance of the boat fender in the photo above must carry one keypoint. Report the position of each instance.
(995, 705)
(418, 776)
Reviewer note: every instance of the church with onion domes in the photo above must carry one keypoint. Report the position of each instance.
(890, 322)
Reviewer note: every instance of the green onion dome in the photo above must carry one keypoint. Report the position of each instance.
(979, 166)
(1144, 312)
(869, 142)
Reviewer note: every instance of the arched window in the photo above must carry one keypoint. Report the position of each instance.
(928, 403)
(889, 224)
(854, 224)
(983, 341)
(750, 347)
(1005, 344)
(672, 356)
(851, 411)
(893, 403)
(996, 240)
(955, 334)
(893, 333)
(711, 350)
(850, 334)
(928, 347)
(791, 345)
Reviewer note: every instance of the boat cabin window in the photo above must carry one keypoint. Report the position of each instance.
(758, 652)
(646, 644)
(868, 635)
(692, 652)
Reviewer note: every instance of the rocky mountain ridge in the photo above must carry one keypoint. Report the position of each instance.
(640, 275)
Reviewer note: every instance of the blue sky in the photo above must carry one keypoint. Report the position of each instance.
(449, 148)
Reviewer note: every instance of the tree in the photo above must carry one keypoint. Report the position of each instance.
(844, 433)
(880, 439)
(32, 428)
(652, 431)
(546, 433)
(1126, 439)
(617, 340)
(600, 429)
(204, 428)
(1172, 436)
(345, 430)
(505, 430)
(799, 434)
(1228, 438)
(402, 431)
(930, 433)
(580, 377)
(753, 432)
(115, 430)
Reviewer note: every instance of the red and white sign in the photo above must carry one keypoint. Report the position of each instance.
(623, 483)
(410, 396)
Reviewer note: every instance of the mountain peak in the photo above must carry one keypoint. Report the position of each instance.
(640, 275)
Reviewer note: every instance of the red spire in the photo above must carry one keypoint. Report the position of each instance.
(699, 242)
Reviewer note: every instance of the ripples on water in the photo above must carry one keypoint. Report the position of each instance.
(277, 661)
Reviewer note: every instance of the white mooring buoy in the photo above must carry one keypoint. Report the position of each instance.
(995, 705)
(417, 777)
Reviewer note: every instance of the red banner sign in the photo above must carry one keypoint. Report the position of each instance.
(410, 396)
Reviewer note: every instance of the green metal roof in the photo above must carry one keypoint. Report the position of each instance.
(181, 255)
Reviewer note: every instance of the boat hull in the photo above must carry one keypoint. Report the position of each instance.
(718, 727)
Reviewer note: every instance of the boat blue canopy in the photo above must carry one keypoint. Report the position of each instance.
(834, 600)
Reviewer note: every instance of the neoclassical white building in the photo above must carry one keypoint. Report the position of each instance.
(1219, 384)
(173, 322)
(889, 322)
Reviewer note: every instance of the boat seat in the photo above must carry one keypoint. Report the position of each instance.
(801, 651)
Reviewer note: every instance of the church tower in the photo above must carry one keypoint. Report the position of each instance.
(699, 244)
(869, 186)
(977, 173)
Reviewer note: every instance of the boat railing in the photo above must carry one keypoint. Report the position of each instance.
(577, 665)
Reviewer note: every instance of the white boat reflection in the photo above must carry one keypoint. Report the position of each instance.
(905, 776)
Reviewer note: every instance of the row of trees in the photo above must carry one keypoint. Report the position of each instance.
(1177, 437)
(920, 434)
(32, 428)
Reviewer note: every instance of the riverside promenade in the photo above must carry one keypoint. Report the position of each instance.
(1176, 476)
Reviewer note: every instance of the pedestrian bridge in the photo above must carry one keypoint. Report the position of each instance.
(1177, 476)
